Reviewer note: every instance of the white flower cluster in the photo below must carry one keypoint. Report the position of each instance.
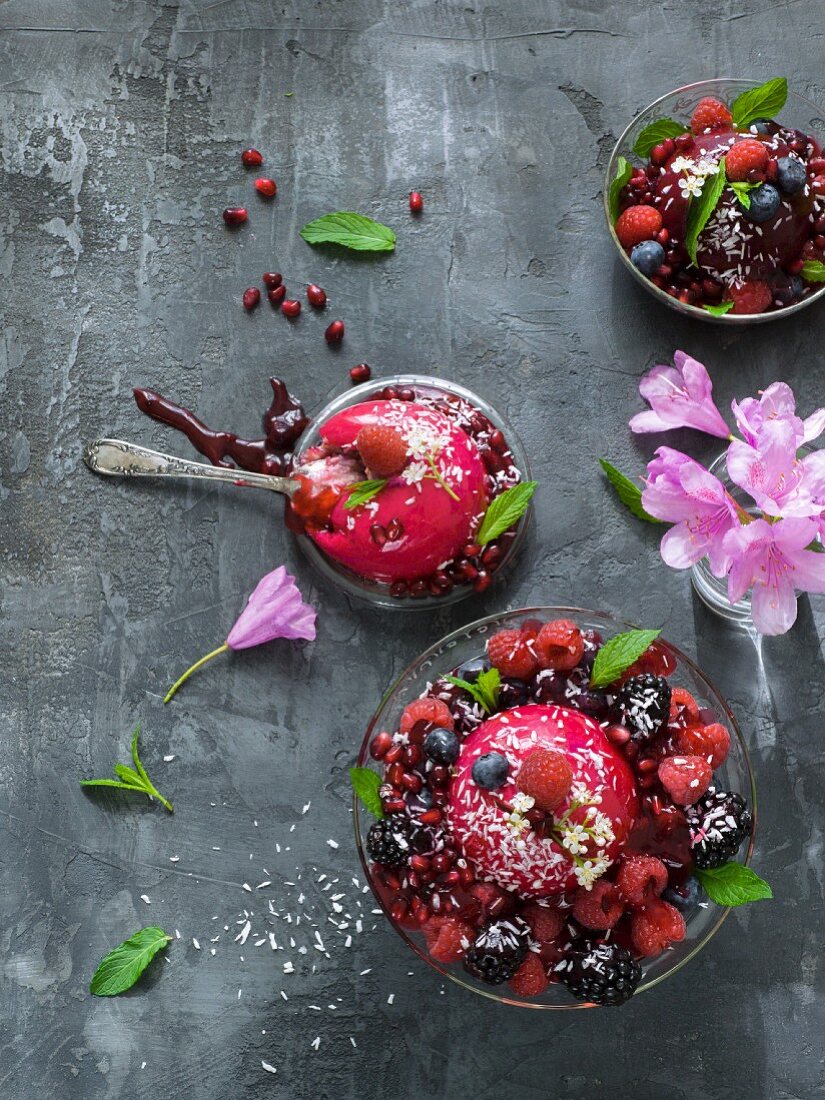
(576, 838)
(415, 472)
(424, 441)
(516, 820)
(590, 870)
(696, 174)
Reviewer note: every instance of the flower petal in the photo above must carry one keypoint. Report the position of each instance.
(274, 610)
(774, 607)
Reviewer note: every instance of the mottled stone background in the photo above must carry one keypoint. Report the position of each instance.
(121, 127)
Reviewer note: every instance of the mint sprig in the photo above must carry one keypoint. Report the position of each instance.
(627, 491)
(131, 779)
(733, 884)
(121, 968)
(624, 170)
(485, 690)
(362, 492)
(813, 271)
(350, 230)
(618, 654)
(702, 207)
(365, 784)
(505, 510)
(720, 310)
(762, 102)
(655, 134)
(742, 192)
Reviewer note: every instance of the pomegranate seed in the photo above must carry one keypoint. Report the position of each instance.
(395, 774)
(439, 775)
(334, 333)
(819, 241)
(394, 754)
(272, 279)
(491, 556)
(399, 589)
(431, 817)
(471, 550)
(378, 534)
(266, 188)
(795, 267)
(361, 372)
(646, 766)
(251, 297)
(412, 782)
(423, 914)
(395, 530)
(413, 754)
(418, 589)
(380, 745)
(251, 158)
(316, 295)
(466, 876)
(277, 295)
(235, 216)
(416, 202)
(394, 806)
(482, 581)
(291, 308)
(452, 878)
(442, 861)
(390, 879)
(419, 863)
(398, 911)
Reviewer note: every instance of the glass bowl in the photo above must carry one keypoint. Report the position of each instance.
(467, 643)
(798, 112)
(376, 593)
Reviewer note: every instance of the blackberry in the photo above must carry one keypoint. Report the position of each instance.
(718, 824)
(643, 705)
(605, 974)
(388, 842)
(498, 951)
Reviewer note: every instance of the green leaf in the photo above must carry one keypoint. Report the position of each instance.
(655, 134)
(762, 102)
(131, 780)
(813, 271)
(618, 654)
(733, 884)
(365, 783)
(121, 968)
(720, 310)
(505, 510)
(485, 689)
(128, 776)
(702, 207)
(627, 491)
(742, 192)
(362, 492)
(624, 170)
(350, 230)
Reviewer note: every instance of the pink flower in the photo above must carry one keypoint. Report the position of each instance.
(274, 610)
(680, 397)
(781, 483)
(774, 559)
(681, 491)
(777, 402)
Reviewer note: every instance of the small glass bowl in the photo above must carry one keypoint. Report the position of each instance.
(798, 112)
(376, 593)
(467, 643)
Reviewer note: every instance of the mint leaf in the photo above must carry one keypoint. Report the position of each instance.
(362, 492)
(129, 779)
(628, 493)
(655, 134)
(702, 208)
(365, 783)
(485, 690)
(742, 192)
(121, 968)
(813, 271)
(505, 510)
(350, 230)
(733, 884)
(720, 310)
(618, 654)
(624, 170)
(762, 102)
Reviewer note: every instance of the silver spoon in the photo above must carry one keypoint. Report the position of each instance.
(117, 458)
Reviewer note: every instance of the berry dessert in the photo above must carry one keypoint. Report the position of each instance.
(548, 810)
(727, 213)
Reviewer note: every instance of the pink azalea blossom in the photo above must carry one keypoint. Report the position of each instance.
(774, 559)
(679, 397)
(682, 492)
(777, 402)
(769, 469)
(274, 610)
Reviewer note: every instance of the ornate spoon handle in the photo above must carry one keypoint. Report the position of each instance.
(117, 458)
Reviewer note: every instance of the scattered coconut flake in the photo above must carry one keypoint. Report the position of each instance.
(247, 887)
(168, 759)
(333, 843)
(145, 897)
(268, 1067)
(316, 1042)
(195, 944)
(174, 859)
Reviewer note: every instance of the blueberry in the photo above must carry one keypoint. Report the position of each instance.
(490, 771)
(790, 291)
(764, 125)
(685, 897)
(442, 746)
(765, 201)
(648, 257)
(791, 174)
(471, 669)
(423, 800)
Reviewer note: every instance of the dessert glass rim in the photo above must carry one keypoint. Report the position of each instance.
(618, 150)
(479, 627)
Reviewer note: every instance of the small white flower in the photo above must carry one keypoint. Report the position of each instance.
(682, 164)
(691, 187)
(415, 472)
(707, 168)
(523, 802)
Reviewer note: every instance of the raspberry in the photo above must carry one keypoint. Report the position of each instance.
(657, 659)
(685, 778)
(711, 742)
(655, 927)
(513, 654)
(545, 924)
(560, 645)
(447, 938)
(382, 449)
(546, 776)
(683, 707)
(492, 900)
(641, 878)
(637, 224)
(598, 908)
(434, 711)
(751, 297)
(710, 114)
(531, 978)
(747, 161)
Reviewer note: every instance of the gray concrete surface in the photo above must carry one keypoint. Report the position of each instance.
(121, 127)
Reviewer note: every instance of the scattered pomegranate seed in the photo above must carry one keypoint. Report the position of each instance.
(266, 187)
(291, 307)
(416, 202)
(272, 278)
(277, 295)
(361, 372)
(235, 216)
(381, 744)
(251, 297)
(316, 295)
(251, 158)
(334, 332)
